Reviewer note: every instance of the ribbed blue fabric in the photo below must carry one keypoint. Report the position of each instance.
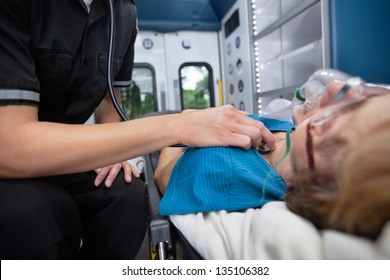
(223, 178)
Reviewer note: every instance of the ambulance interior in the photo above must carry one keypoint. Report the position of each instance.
(205, 53)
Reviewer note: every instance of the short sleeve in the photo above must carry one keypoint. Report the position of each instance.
(18, 82)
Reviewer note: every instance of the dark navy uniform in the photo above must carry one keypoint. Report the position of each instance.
(53, 55)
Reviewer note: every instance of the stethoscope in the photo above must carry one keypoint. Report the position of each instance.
(110, 63)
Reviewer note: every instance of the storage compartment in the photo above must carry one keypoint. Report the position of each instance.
(269, 11)
(289, 45)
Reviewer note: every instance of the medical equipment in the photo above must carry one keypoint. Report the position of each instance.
(317, 83)
(110, 63)
(316, 86)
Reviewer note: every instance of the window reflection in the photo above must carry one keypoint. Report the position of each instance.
(139, 98)
(196, 86)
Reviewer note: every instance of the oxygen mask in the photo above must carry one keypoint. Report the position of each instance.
(326, 87)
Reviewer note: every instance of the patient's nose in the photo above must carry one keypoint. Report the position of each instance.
(331, 91)
(337, 92)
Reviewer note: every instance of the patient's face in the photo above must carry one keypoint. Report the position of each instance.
(326, 133)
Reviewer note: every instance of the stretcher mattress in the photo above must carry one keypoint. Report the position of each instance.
(273, 232)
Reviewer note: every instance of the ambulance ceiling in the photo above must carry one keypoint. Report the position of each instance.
(176, 15)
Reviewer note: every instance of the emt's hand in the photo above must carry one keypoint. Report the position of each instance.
(223, 126)
(109, 173)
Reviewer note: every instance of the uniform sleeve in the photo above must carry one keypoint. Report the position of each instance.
(18, 82)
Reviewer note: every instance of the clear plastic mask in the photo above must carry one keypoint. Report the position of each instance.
(315, 95)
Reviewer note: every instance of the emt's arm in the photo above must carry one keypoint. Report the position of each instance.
(31, 148)
(166, 162)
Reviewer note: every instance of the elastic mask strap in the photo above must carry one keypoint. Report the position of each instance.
(286, 153)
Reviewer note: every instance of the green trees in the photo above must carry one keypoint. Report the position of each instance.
(135, 103)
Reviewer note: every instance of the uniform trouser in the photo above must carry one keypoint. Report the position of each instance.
(67, 217)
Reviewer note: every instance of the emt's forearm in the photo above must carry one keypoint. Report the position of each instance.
(32, 148)
(40, 149)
